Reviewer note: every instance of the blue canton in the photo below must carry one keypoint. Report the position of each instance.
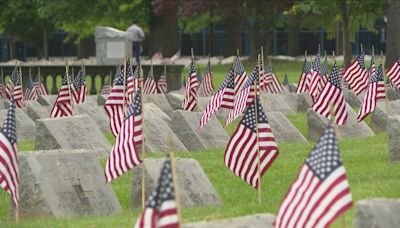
(334, 77)
(135, 108)
(9, 124)
(249, 118)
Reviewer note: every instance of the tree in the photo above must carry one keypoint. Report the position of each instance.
(393, 31)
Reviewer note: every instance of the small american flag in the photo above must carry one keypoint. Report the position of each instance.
(393, 73)
(323, 73)
(9, 173)
(270, 82)
(305, 78)
(332, 92)
(63, 105)
(190, 101)
(2, 87)
(79, 89)
(133, 80)
(315, 88)
(375, 92)
(321, 192)
(150, 86)
(162, 82)
(223, 98)
(40, 88)
(206, 87)
(161, 210)
(240, 74)
(14, 85)
(106, 89)
(356, 75)
(241, 154)
(30, 90)
(124, 154)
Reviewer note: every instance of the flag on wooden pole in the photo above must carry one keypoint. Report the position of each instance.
(63, 105)
(315, 88)
(162, 82)
(239, 74)
(269, 81)
(393, 73)
(356, 75)
(30, 89)
(40, 88)
(190, 101)
(206, 87)
(78, 87)
(305, 78)
(150, 86)
(14, 87)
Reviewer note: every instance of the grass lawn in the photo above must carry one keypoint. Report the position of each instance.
(366, 162)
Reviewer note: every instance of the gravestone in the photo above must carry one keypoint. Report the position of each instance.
(111, 45)
(228, 60)
(275, 103)
(37, 111)
(374, 213)
(91, 98)
(63, 184)
(185, 126)
(202, 103)
(352, 129)
(195, 190)
(304, 102)
(3, 103)
(101, 99)
(248, 221)
(175, 99)
(283, 129)
(153, 111)
(47, 100)
(157, 135)
(77, 132)
(393, 131)
(379, 116)
(290, 99)
(25, 126)
(159, 100)
(97, 113)
(392, 94)
(352, 99)
(292, 87)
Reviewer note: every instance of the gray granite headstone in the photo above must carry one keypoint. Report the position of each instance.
(77, 132)
(283, 129)
(352, 99)
(290, 99)
(153, 111)
(293, 87)
(97, 113)
(352, 129)
(195, 190)
(175, 100)
(202, 105)
(101, 99)
(248, 221)
(377, 213)
(63, 184)
(25, 126)
(392, 94)
(393, 131)
(47, 100)
(304, 102)
(161, 101)
(185, 126)
(275, 103)
(379, 116)
(37, 111)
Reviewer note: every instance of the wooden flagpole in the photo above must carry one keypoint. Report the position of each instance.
(69, 87)
(258, 143)
(174, 177)
(386, 86)
(142, 146)
(22, 88)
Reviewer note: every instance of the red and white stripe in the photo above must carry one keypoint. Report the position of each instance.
(190, 101)
(305, 79)
(40, 89)
(215, 104)
(356, 76)
(206, 87)
(271, 83)
(31, 94)
(62, 106)
(114, 108)
(9, 173)
(393, 72)
(79, 95)
(315, 88)
(166, 217)
(162, 84)
(150, 86)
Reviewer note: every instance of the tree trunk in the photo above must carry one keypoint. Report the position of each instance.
(339, 39)
(293, 35)
(45, 53)
(85, 47)
(233, 34)
(11, 45)
(259, 39)
(393, 32)
(347, 53)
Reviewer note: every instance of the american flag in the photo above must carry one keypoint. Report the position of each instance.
(206, 87)
(79, 89)
(332, 92)
(223, 98)
(393, 73)
(321, 192)
(190, 101)
(106, 89)
(305, 78)
(240, 74)
(40, 88)
(356, 75)
(63, 105)
(245, 96)
(2, 87)
(115, 103)
(315, 88)
(133, 80)
(9, 173)
(30, 90)
(14, 88)
(162, 82)
(270, 82)
(323, 73)
(375, 92)
(124, 154)
(161, 210)
(150, 85)
(241, 154)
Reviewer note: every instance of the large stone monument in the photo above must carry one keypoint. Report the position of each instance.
(63, 184)
(195, 190)
(111, 45)
(283, 129)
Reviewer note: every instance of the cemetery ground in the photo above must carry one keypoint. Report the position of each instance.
(370, 174)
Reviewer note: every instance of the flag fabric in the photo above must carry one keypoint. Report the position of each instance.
(161, 210)
(240, 74)
(30, 90)
(241, 154)
(323, 73)
(150, 85)
(115, 103)
(315, 88)
(375, 92)
(2, 87)
(78, 87)
(305, 78)
(321, 192)
(206, 87)
(40, 89)
(356, 75)
(270, 82)
(132, 80)
(332, 92)
(124, 154)
(63, 105)
(393, 73)
(190, 101)
(106, 89)
(223, 98)
(162, 83)
(9, 173)
(14, 88)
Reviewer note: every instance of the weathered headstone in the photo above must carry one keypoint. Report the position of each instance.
(377, 213)
(283, 129)
(292, 87)
(379, 116)
(195, 190)
(275, 103)
(352, 99)
(63, 184)
(47, 100)
(185, 126)
(25, 126)
(290, 99)
(3, 103)
(95, 112)
(37, 111)
(77, 132)
(202, 105)
(175, 100)
(153, 111)
(248, 221)
(352, 129)
(393, 131)
(101, 99)
(159, 100)
(304, 102)
(392, 94)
